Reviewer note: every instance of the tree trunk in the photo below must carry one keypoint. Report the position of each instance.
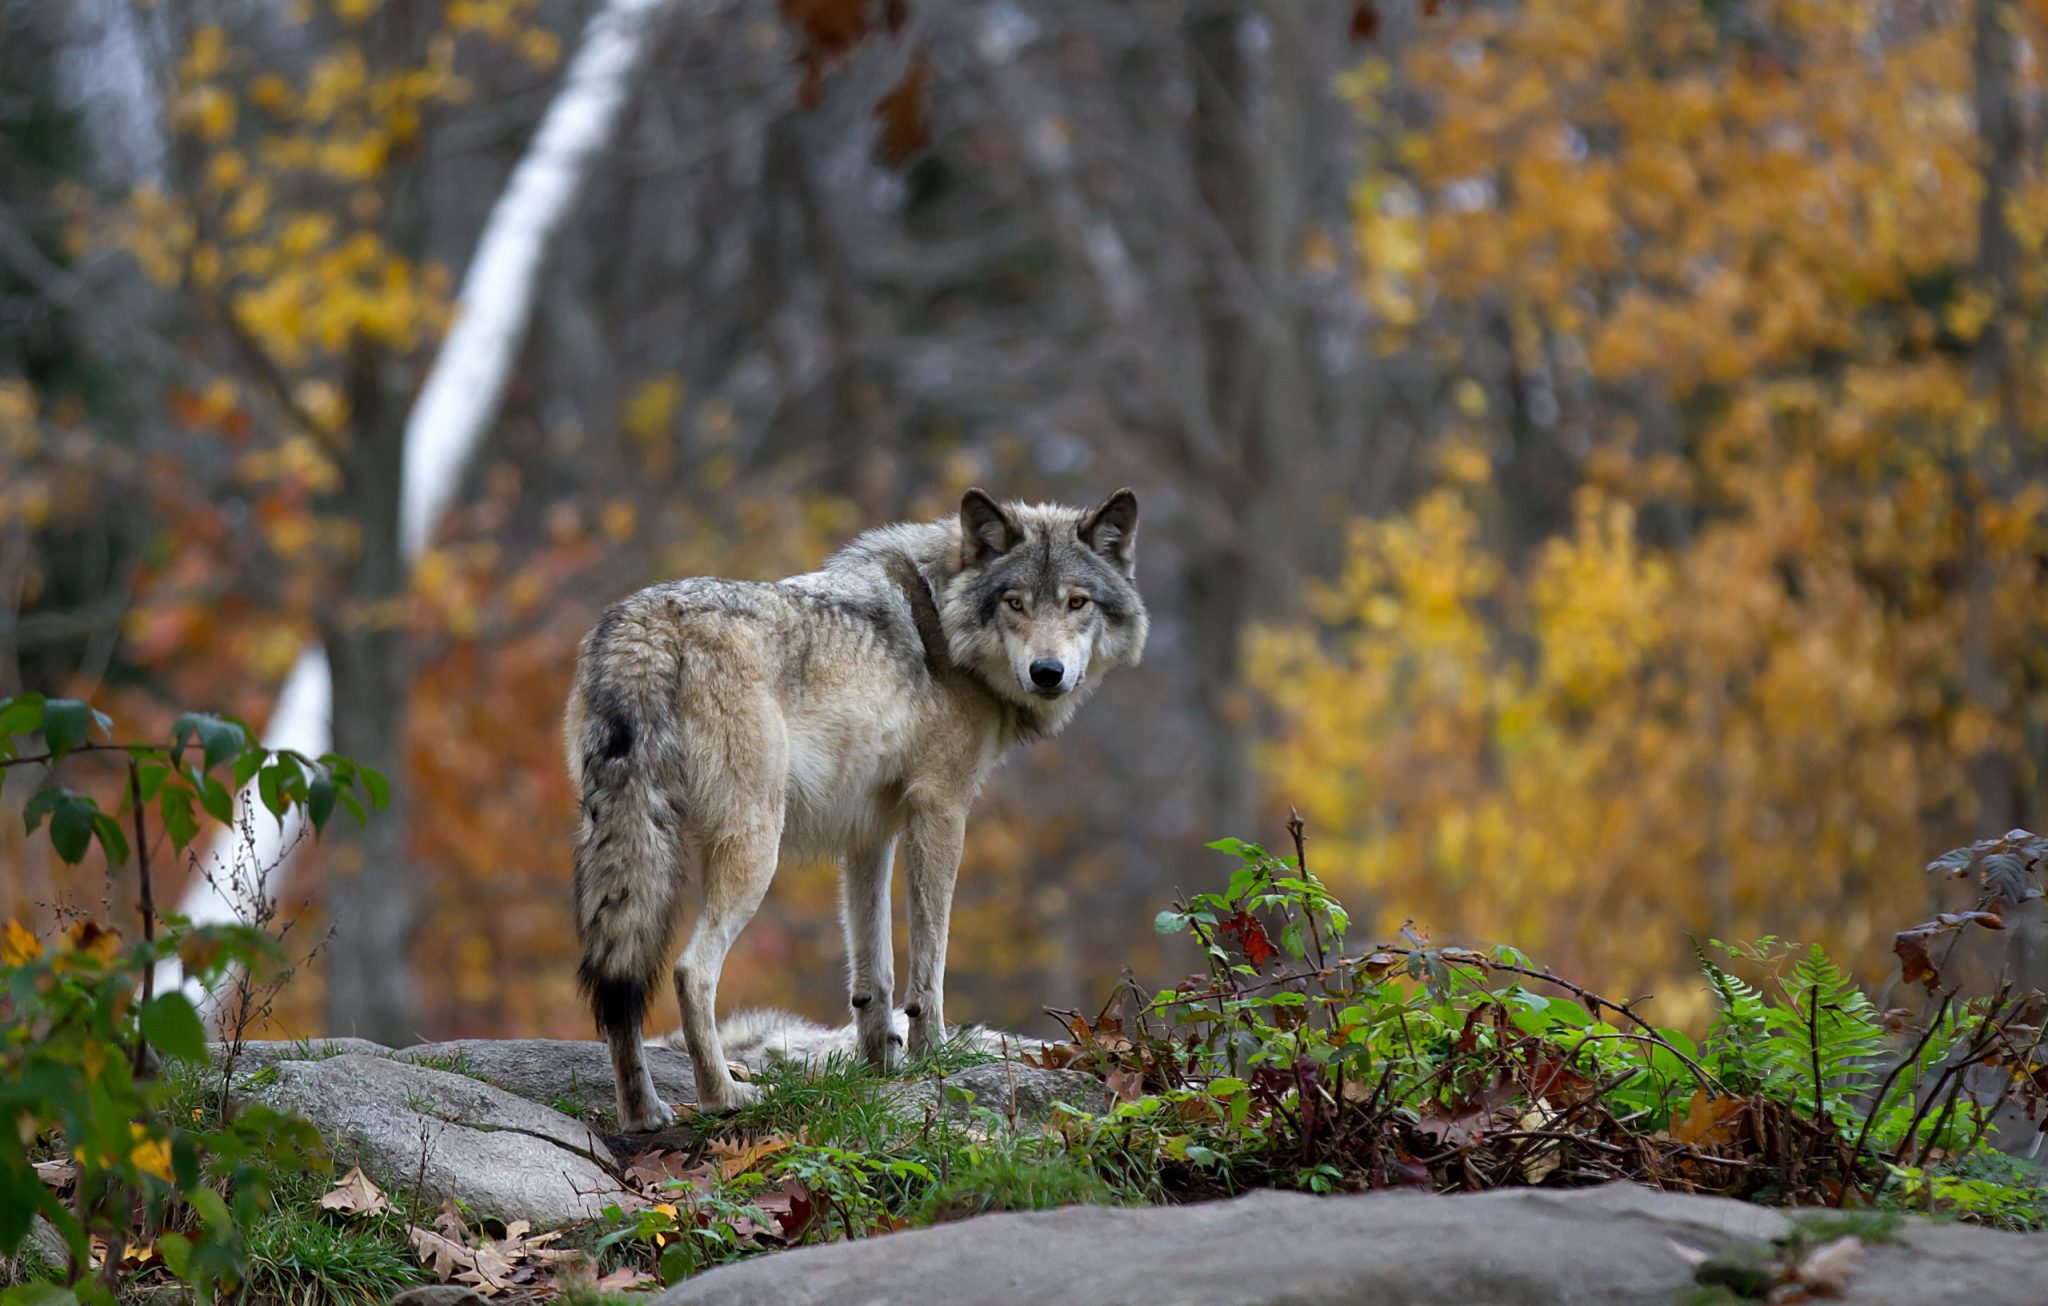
(371, 890)
(1994, 771)
(1248, 128)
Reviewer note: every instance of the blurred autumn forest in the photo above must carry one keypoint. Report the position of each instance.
(1590, 452)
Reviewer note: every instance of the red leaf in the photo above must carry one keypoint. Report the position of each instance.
(1251, 938)
(1365, 20)
(905, 115)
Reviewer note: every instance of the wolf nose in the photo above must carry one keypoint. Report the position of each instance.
(1047, 673)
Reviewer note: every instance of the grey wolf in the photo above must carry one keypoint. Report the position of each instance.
(765, 1037)
(717, 728)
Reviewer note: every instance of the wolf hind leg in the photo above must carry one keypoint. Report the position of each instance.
(737, 870)
(870, 951)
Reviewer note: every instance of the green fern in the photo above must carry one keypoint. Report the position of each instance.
(1814, 1040)
(1826, 1035)
(1736, 1041)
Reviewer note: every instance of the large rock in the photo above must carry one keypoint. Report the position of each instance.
(1008, 1088)
(261, 1054)
(568, 1073)
(576, 1076)
(416, 1129)
(1613, 1246)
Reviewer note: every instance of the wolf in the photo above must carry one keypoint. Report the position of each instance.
(717, 728)
(767, 1037)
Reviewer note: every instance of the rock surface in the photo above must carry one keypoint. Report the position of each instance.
(259, 1054)
(1007, 1088)
(416, 1129)
(550, 1071)
(1613, 1246)
(484, 1120)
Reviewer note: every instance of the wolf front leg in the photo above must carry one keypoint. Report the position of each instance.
(870, 951)
(932, 838)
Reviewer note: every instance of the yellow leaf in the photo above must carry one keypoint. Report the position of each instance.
(150, 1155)
(17, 946)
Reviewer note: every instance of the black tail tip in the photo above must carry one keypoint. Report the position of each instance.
(618, 1005)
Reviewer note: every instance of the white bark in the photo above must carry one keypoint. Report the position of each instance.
(462, 394)
(302, 722)
(466, 385)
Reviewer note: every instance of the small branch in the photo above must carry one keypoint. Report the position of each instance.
(1912, 1058)
(147, 903)
(1813, 1047)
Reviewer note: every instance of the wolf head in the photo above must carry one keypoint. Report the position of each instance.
(1046, 599)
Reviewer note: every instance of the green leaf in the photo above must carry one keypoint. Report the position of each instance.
(71, 827)
(270, 788)
(218, 740)
(112, 842)
(19, 1191)
(66, 722)
(214, 797)
(247, 765)
(150, 777)
(174, 804)
(40, 805)
(21, 715)
(321, 797)
(204, 1200)
(176, 1249)
(173, 1028)
(376, 786)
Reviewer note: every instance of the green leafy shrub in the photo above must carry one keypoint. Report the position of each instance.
(1291, 1061)
(107, 1150)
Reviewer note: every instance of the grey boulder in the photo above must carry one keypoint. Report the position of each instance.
(261, 1054)
(414, 1129)
(550, 1071)
(1011, 1089)
(1614, 1246)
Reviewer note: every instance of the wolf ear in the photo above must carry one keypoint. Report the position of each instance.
(986, 531)
(1112, 530)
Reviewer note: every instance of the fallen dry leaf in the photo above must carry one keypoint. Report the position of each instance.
(1054, 1056)
(1827, 1269)
(442, 1255)
(59, 1175)
(792, 1206)
(737, 1158)
(356, 1195)
(657, 1173)
(1125, 1085)
(627, 1278)
(1543, 1162)
(1711, 1121)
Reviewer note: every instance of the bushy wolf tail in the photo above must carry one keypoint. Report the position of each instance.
(625, 756)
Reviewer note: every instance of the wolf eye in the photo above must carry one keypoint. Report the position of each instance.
(1078, 602)
(1016, 604)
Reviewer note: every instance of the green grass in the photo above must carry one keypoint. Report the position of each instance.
(455, 1063)
(301, 1257)
(1006, 1176)
(871, 1161)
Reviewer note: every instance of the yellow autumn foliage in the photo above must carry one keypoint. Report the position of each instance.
(1734, 694)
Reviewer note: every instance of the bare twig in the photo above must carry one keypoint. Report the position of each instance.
(147, 902)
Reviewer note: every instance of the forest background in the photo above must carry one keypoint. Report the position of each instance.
(1590, 452)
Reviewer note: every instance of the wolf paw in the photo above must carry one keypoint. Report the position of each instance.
(735, 1097)
(654, 1119)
